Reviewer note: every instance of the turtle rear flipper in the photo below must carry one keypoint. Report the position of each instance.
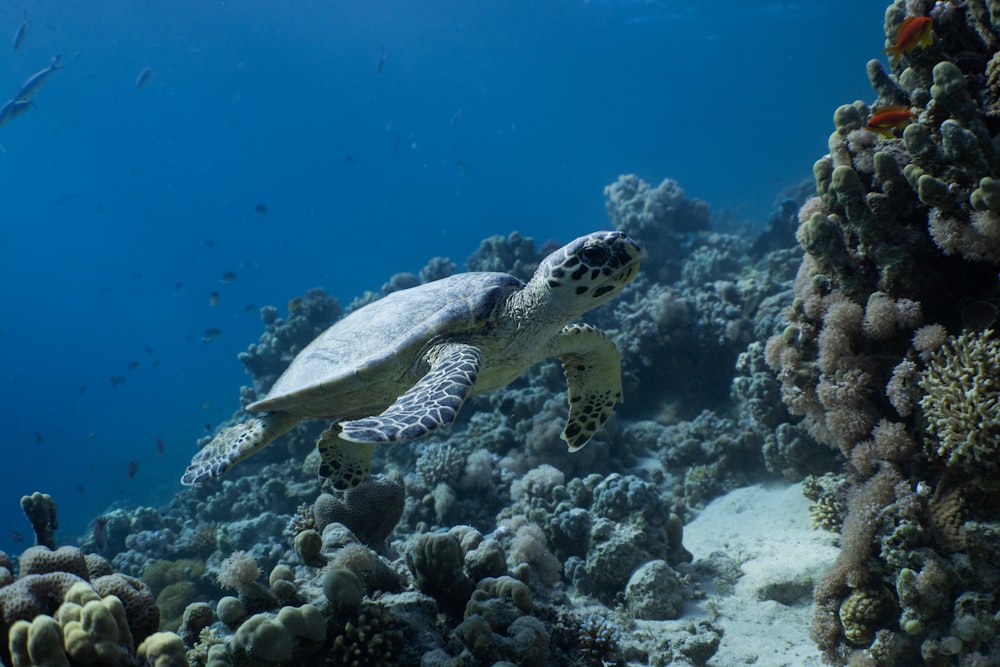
(428, 405)
(233, 444)
(593, 370)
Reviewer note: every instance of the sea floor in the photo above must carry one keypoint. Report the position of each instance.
(765, 614)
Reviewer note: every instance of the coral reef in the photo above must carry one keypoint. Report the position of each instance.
(491, 543)
(64, 607)
(901, 251)
(371, 509)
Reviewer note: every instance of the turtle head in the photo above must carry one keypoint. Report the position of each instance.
(588, 271)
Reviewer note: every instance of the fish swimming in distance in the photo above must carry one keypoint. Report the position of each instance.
(145, 74)
(227, 278)
(210, 335)
(20, 34)
(35, 81)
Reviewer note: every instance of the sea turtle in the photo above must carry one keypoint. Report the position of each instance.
(402, 366)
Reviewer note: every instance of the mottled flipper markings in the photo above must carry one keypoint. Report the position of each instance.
(430, 404)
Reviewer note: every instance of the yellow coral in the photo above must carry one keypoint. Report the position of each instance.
(37, 644)
(961, 400)
(861, 613)
(826, 514)
(92, 631)
(163, 649)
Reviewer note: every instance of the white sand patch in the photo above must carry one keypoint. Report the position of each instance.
(766, 617)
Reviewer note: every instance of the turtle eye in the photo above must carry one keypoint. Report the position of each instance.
(594, 255)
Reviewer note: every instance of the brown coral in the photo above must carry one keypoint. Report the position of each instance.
(962, 401)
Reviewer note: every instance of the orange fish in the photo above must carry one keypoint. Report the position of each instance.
(884, 120)
(916, 31)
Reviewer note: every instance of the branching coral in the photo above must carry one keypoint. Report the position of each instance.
(962, 400)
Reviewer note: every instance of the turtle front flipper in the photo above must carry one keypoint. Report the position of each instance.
(428, 405)
(345, 464)
(594, 379)
(233, 444)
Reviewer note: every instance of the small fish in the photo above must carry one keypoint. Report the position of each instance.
(101, 533)
(16, 536)
(133, 468)
(227, 278)
(161, 446)
(456, 118)
(210, 335)
(132, 365)
(80, 489)
(295, 305)
(462, 166)
(250, 308)
(83, 389)
(382, 57)
(145, 74)
(117, 380)
(20, 34)
(137, 275)
(206, 406)
(35, 81)
(884, 120)
(916, 31)
(208, 426)
(91, 436)
(349, 159)
(213, 299)
(148, 350)
(65, 199)
(260, 210)
(38, 438)
(178, 289)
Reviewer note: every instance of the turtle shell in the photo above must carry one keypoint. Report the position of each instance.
(362, 363)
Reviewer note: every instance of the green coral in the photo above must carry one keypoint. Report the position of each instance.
(274, 639)
(961, 397)
(371, 637)
(343, 588)
(172, 601)
(158, 574)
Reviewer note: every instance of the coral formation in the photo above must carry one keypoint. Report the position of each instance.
(901, 250)
(371, 509)
(41, 512)
(79, 615)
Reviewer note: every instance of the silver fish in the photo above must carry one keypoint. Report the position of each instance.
(144, 76)
(35, 81)
(19, 35)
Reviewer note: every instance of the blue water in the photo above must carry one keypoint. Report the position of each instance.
(121, 207)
